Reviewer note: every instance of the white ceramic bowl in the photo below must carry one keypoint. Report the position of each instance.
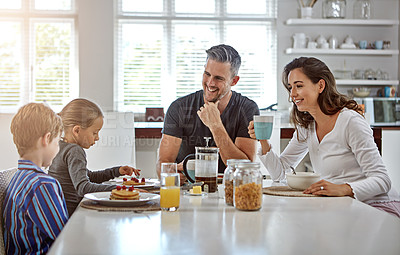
(302, 180)
(361, 92)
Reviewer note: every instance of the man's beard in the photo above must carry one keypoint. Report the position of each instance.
(214, 100)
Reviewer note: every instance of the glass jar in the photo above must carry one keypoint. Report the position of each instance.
(362, 9)
(247, 186)
(228, 178)
(334, 9)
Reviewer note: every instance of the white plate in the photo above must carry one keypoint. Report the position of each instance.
(104, 199)
(192, 194)
(119, 181)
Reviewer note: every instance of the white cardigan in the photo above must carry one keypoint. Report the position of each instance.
(347, 154)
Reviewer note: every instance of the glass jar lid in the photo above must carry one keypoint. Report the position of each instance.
(248, 165)
(232, 162)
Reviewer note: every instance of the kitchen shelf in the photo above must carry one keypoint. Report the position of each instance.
(367, 82)
(343, 22)
(342, 52)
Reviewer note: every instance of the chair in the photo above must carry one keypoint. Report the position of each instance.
(116, 145)
(5, 178)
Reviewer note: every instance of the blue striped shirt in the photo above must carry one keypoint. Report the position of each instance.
(34, 210)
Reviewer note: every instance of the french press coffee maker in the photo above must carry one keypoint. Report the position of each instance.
(206, 167)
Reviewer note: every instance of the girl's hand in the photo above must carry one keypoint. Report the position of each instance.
(329, 189)
(251, 131)
(127, 170)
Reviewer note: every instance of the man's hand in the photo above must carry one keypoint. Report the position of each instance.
(210, 115)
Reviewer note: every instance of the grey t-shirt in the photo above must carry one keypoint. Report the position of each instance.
(69, 167)
(183, 122)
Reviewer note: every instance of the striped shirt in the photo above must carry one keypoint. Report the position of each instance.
(34, 210)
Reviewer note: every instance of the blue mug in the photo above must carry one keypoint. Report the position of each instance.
(363, 44)
(378, 45)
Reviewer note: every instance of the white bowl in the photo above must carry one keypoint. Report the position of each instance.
(361, 92)
(302, 180)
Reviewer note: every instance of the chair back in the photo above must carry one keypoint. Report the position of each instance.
(116, 145)
(5, 178)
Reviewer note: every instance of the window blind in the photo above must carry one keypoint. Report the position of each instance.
(37, 57)
(161, 48)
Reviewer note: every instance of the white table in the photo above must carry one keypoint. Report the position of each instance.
(284, 225)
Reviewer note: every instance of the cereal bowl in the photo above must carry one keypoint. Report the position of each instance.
(302, 180)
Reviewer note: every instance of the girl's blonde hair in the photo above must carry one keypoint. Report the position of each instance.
(81, 112)
(32, 122)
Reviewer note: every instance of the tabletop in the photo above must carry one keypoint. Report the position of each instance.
(206, 225)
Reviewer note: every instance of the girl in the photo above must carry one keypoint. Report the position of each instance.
(339, 140)
(82, 121)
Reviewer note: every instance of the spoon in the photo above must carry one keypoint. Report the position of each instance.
(294, 172)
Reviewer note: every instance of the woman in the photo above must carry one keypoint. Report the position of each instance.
(332, 129)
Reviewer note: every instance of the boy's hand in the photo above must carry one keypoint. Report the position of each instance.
(127, 170)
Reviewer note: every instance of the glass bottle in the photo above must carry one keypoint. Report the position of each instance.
(247, 187)
(362, 9)
(334, 9)
(228, 178)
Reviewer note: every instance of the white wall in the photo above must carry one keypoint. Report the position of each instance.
(8, 151)
(391, 155)
(96, 51)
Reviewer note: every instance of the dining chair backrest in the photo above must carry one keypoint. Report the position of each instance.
(5, 178)
(116, 145)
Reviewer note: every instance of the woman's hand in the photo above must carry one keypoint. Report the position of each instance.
(265, 146)
(251, 131)
(127, 170)
(326, 188)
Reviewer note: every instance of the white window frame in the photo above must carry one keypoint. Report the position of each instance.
(27, 15)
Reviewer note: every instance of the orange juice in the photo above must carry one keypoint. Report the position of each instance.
(170, 181)
(169, 197)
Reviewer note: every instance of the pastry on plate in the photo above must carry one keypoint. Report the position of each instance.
(124, 193)
(134, 181)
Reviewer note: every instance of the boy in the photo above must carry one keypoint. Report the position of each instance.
(34, 206)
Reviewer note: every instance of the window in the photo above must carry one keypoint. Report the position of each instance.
(37, 57)
(161, 48)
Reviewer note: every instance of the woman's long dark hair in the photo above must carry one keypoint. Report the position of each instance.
(330, 100)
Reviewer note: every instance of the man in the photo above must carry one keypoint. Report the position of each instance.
(216, 112)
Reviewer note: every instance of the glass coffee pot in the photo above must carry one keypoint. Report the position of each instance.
(206, 169)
